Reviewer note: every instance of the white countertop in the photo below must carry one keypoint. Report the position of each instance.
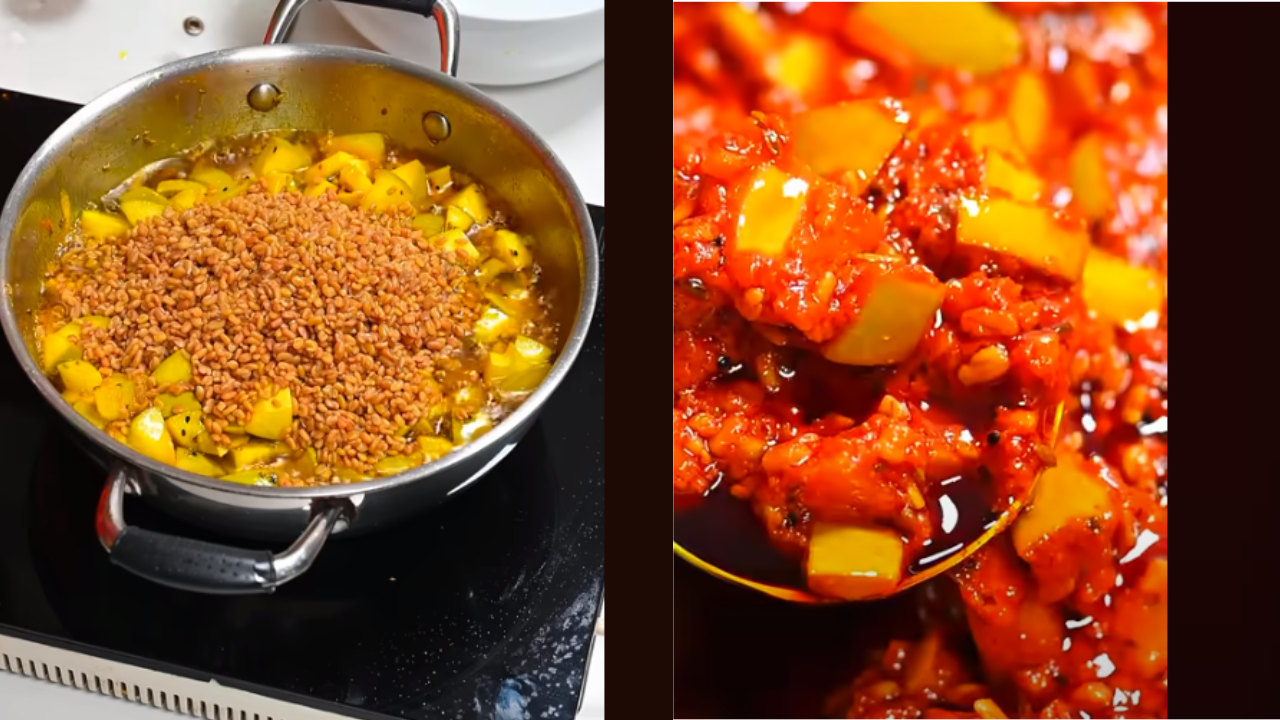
(114, 44)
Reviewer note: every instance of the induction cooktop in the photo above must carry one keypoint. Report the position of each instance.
(482, 608)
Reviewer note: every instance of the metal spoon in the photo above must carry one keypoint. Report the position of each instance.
(722, 537)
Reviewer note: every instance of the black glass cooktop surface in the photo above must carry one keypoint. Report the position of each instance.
(484, 607)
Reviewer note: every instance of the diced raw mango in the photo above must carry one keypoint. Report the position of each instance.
(114, 397)
(90, 412)
(354, 180)
(138, 210)
(332, 166)
(262, 478)
(433, 448)
(185, 427)
(234, 190)
(143, 194)
(1030, 233)
(429, 224)
(894, 317)
(466, 431)
(996, 136)
(1064, 496)
(471, 199)
(973, 36)
(205, 444)
(79, 376)
(854, 563)
(281, 156)
(521, 368)
(770, 212)
(198, 463)
(415, 176)
(518, 304)
(187, 199)
(101, 225)
(802, 65)
(369, 146)
(148, 435)
(1089, 183)
(256, 452)
(457, 219)
(439, 180)
(853, 139)
(320, 188)
(350, 199)
(176, 404)
(495, 325)
(388, 191)
(396, 464)
(174, 369)
(456, 242)
(511, 250)
(216, 179)
(59, 347)
(1122, 293)
(1007, 175)
(169, 188)
(271, 417)
(1029, 110)
(1142, 622)
(278, 182)
(489, 270)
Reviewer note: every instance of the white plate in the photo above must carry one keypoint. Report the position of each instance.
(504, 42)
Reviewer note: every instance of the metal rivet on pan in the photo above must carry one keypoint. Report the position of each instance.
(436, 126)
(265, 97)
(193, 25)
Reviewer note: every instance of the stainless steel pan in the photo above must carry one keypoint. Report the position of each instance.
(308, 87)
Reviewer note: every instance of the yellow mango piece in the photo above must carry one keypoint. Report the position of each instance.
(854, 563)
(187, 199)
(142, 193)
(894, 317)
(174, 369)
(61, 346)
(320, 188)
(388, 191)
(972, 36)
(234, 190)
(456, 218)
(114, 397)
(433, 448)
(176, 404)
(1089, 183)
(495, 325)
(198, 463)
(185, 427)
(281, 156)
(471, 199)
(429, 224)
(1065, 495)
(520, 368)
(1005, 174)
(1030, 233)
(770, 212)
(205, 444)
(801, 66)
(147, 435)
(396, 464)
(1122, 293)
(369, 146)
(262, 478)
(415, 176)
(169, 188)
(350, 199)
(332, 166)
(456, 242)
(278, 182)
(90, 413)
(73, 397)
(439, 180)
(216, 179)
(465, 432)
(138, 210)
(1030, 110)
(1142, 622)
(102, 225)
(79, 376)
(996, 136)
(489, 270)
(271, 417)
(256, 452)
(352, 179)
(511, 250)
(518, 304)
(853, 139)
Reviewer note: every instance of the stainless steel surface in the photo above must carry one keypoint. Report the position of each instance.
(185, 103)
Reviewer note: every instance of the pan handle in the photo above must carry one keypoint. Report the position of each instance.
(446, 17)
(196, 565)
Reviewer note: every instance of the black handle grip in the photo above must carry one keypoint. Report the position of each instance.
(194, 565)
(420, 7)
